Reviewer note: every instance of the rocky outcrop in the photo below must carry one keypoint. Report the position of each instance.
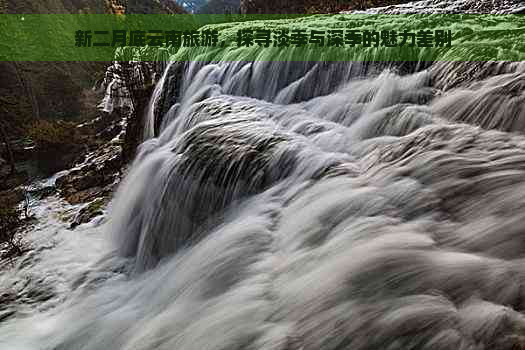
(95, 178)
(128, 89)
(90, 211)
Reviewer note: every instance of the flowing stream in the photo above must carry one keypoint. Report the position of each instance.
(288, 205)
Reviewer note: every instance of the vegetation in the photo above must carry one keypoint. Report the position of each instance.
(57, 144)
(53, 134)
(31, 91)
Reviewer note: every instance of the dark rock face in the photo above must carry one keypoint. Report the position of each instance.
(12, 181)
(135, 123)
(12, 197)
(51, 160)
(170, 94)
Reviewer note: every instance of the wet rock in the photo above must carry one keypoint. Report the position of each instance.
(80, 181)
(40, 293)
(43, 192)
(89, 212)
(103, 128)
(83, 196)
(110, 133)
(6, 314)
(7, 297)
(93, 179)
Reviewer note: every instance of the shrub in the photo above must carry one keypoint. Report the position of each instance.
(56, 134)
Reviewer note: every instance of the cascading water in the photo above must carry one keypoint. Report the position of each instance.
(312, 206)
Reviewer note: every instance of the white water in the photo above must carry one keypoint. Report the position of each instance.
(456, 6)
(278, 210)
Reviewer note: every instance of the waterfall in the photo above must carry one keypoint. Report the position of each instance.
(310, 205)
